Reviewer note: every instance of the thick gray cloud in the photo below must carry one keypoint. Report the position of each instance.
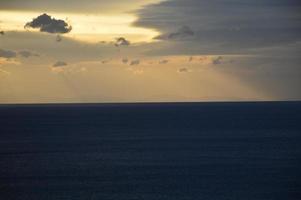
(7, 54)
(224, 26)
(48, 24)
(59, 64)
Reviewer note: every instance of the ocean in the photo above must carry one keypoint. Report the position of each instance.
(159, 151)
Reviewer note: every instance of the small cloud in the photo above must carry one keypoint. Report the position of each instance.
(207, 60)
(121, 41)
(7, 54)
(59, 64)
(50, 25)
(27, 54)
(162, 62)
(183, 70)
(203, 58)
(58, 38)
(105, 61)
(135, 62)
(182, 33)
(125, 60)
(217, 61)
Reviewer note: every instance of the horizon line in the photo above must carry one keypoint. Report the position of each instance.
(147, 102)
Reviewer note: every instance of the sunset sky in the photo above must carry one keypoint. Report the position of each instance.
(60, 51)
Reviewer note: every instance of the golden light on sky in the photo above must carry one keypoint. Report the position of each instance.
(85, 27)
(152, 50)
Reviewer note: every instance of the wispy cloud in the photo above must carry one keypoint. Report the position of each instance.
(184, 32)
(7, 54)
(4, 72)
(135, 62)
(27, 54)
(59, 64)
(162, 62)
(183, 70)
(125, 60)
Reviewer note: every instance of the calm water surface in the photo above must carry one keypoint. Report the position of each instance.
(189, 151)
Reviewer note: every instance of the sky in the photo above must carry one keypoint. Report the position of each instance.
(74, 51)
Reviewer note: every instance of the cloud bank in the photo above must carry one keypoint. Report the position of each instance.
(218, 26)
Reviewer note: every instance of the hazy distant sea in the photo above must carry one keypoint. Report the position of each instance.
(188, 151)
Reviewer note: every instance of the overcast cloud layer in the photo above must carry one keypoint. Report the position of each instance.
(232, 26)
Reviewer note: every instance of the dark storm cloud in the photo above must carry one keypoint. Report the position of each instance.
(121, 41)
(27, 54)
(7, 54)
(48, 24)
(59, 64)
(223, 26)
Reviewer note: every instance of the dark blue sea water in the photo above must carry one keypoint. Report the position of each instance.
(189, 151)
